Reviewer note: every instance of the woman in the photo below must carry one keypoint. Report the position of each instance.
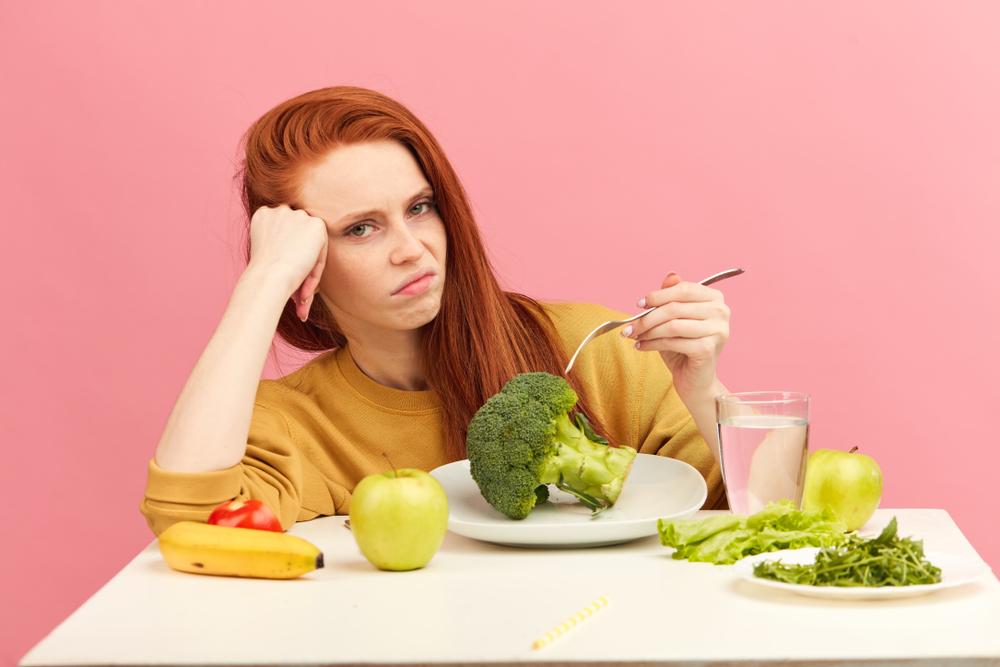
(362, 245)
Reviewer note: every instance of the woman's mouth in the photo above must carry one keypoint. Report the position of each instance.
(418, 286)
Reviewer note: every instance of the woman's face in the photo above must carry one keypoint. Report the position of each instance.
(383, 230)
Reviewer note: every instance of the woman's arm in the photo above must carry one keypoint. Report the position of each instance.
(701, 405)
(688, 326)
(207, 429)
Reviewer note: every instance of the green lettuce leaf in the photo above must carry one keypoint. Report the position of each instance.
(683, 532)
(725, 538)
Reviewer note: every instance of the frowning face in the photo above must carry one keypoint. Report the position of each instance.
(384, 229)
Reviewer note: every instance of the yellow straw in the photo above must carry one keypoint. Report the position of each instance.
(576, 618)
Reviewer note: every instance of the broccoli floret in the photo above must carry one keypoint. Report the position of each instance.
(526, 437)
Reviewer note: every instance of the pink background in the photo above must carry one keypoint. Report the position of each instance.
(848, 156)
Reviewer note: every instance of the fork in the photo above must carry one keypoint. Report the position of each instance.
(611, 325)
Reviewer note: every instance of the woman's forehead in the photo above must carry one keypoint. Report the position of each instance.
(361, 177)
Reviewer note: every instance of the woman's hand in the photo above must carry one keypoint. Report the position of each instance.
(689, 327)
(293, 243)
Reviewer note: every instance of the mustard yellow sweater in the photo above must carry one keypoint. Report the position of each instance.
(318, 431)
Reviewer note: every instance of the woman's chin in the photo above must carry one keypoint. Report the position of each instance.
(418, 313)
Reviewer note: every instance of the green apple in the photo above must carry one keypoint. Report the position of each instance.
(848, 483)
(399, 518)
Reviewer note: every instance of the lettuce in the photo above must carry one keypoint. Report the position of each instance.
(723, 539)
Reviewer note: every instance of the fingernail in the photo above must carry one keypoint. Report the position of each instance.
(627, 331)
(641, 302)
(637, 345)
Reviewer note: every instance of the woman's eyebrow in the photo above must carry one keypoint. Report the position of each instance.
(424, 192)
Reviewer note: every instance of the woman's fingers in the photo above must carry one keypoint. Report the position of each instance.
(299, 302)
(677, 310)
(686, 329)
(683, 291)
(691, 347)
(310, 285)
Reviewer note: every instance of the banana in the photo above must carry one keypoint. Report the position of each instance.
(202, 548)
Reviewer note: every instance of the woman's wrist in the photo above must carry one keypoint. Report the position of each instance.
(702, 395)
(701, 405)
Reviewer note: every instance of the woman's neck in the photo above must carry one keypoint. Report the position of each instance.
(393, 359)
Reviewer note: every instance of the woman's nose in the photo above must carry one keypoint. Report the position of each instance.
(408, 247)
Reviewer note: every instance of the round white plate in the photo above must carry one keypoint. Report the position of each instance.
(956, 570)
(657, 487)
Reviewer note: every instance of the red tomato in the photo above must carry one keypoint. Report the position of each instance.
(245, 514)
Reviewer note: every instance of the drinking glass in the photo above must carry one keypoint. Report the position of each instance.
(764, 444)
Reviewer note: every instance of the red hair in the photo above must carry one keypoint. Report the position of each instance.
(482, 336)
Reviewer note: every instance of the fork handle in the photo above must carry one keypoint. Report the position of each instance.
(721, 275)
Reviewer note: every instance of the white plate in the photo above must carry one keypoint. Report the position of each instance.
(657, 487)
(956, 570)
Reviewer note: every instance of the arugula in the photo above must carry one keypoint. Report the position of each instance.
(725, 538)
(886, 560)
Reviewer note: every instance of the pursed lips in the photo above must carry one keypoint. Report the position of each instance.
(421, 276)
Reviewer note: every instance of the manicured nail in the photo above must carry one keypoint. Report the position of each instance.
(641, 302)
(637, 345)
(627, 331)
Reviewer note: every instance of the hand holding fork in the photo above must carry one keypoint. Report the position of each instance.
(688, 323)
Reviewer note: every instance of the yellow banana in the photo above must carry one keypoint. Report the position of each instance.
(202, 548)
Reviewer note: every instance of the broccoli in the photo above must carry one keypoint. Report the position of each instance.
(526, 437)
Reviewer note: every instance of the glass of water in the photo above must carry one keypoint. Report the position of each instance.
(764, 445)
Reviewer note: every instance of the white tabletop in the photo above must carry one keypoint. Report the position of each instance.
(481, 603)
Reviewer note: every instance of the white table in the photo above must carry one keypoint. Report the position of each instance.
(479, 603)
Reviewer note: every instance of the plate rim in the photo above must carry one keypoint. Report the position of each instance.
(744, 570)
(526, 528)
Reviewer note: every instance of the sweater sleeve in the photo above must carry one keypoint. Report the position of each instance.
(667, 428)
(273, 470)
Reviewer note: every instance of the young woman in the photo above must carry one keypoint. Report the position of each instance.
(362, 245)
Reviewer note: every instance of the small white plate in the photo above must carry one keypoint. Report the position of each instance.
(956, 570)
(657, 487)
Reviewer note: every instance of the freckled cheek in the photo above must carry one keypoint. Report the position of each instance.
(439, 242)
(348, 279)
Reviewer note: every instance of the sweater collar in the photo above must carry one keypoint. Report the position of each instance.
(380, 394)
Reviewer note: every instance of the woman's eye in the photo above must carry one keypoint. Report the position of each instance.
(360, 226)
(428, 203)
(352, 231)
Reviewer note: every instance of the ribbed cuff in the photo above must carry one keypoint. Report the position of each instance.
(193, 488)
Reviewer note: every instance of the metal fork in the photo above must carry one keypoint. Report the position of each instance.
(614, 324)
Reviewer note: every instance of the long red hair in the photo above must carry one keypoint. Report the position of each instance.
(482, 336)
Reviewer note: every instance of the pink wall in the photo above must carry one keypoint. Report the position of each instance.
(847, 156)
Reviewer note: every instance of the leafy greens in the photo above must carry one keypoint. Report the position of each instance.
(886, 560)
(725, 538)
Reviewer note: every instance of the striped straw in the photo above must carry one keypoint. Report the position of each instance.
(570, 622)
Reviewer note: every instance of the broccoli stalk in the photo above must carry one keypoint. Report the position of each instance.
(586, 467)
(527, 436)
